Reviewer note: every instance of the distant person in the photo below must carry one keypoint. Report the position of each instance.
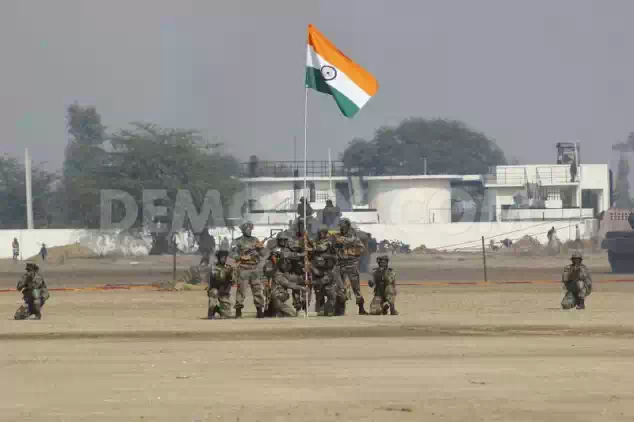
(300, 208)
(330, 215)
(224, 244)
(550, 234)
(16, 249)
(43, 252)
(372, 245)
(573, 171)
(206, 246)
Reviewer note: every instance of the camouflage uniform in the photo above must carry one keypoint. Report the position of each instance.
(280, 283)
(384, 284)
(325, 284)
(219, 289)
(576, 282)
(349, 249)
(277, 251)
(34, 292)
(247, 252)
(295, 254)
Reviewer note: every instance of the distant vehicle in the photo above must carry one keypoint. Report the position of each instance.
(617, 228)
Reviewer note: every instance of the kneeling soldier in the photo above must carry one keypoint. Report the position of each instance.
(384, 284)
(219, 289)
(577, 283)
(34, 292)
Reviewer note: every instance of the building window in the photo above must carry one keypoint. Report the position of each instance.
(552, 194)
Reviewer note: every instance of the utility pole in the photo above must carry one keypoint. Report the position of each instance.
(29, 197)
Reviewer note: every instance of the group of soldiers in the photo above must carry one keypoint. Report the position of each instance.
(327, 266)
(293, 266)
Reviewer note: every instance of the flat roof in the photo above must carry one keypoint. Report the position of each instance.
(343, 179)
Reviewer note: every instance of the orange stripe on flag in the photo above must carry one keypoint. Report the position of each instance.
(326, 49)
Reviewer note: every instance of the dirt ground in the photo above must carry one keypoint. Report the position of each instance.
(496, 352)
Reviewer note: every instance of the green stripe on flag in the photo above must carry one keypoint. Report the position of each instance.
(315, 80)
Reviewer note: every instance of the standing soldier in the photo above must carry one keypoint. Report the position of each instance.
(34, 293)
(324, 260)
(384, 283)
(206, 245)
(219, 289)
(247, 253)
(278, 249)
(577, 283)
(276, 269)
(296, 271)
(16, 248)
(349, 250)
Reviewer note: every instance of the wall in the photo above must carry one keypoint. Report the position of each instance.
(448, 236)
(597, 177)
(468, 235)
(270, 194)
(413, 201)
(31, 240)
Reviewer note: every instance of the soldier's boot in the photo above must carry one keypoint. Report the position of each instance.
(35, 310)
(581, 303)
(386, 308)
(211, 313)
(361, 308)
(238, 313)
(393, 310)
(340, 307)
(260, 313)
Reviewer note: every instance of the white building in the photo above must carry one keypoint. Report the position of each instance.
(436, 210)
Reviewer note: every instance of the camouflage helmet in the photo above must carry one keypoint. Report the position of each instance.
(576, 255)
(345, 222)
(222, 253)
(246, 224)
(31, 266)
(382, 258)
(323, 229)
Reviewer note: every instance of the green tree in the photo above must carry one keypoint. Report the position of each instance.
(150, 157)
(448, 146)
(622, 198)
(84, 159)
(13, 194)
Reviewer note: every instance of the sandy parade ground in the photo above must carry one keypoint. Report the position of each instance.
(461, 350)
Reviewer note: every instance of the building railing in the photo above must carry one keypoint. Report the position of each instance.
(554, 175)
(292, 169)
(545, 175)
(518, 214)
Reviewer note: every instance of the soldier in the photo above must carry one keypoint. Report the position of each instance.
(577, 283)
(296, 272)
(276, 268)
(278, 249)
(34, 292)
(349, 250)
(247, 253)
(206, 246)
(384, 283)
(324, 261)
(219, 289)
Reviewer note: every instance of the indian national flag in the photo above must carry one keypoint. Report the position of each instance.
(329, 71)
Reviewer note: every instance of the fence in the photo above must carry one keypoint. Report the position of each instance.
(292, 169)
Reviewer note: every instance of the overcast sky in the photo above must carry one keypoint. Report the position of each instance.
(528, 73)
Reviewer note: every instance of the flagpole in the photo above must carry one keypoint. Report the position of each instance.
(305, 198)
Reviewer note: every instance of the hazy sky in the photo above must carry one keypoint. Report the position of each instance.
(528, 73)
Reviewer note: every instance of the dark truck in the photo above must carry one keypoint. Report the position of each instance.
(617, 227)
